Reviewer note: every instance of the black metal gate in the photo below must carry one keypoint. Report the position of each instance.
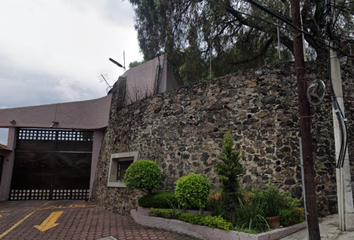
(52, 164)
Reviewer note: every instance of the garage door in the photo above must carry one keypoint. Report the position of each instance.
(51, 164)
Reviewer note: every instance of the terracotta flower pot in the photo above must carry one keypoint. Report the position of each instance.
(273, 222)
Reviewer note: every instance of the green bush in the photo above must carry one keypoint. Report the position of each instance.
(288, 201)
(291, 216)
(272, 200)
(192, 191)
(210, 221)
(250, 215)
(158, 199)
(290, 211)
(143, 175)
(165, 213)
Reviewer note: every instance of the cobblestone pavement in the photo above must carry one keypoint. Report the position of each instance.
(71, 220)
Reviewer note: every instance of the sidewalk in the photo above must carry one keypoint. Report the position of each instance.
(328, 230)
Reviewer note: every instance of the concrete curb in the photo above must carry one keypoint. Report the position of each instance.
(141, 216)
(108, 238)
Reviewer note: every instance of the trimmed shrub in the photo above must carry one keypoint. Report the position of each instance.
(158, 199)
(210, 221)
(143, 175)
(192, 191)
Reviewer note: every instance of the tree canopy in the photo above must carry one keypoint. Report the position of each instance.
(204, 38)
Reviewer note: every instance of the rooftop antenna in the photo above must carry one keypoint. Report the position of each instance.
(103, 78)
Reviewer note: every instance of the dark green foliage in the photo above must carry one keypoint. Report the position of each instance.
(143, 175)
(158, 199)
(230, 167)
(272, 199)
(251, 212)
(231, 36)
(290, 211)
(210, 221)
(288, 201)
(192, 191)
(166, 213)
(214, 203)
(249, 215)
(228, 170)
(291, 216)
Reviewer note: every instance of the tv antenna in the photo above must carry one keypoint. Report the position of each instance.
(103, 78)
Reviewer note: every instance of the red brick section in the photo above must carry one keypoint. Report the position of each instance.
(79, 220)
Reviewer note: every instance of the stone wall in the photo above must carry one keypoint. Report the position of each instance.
(182, 131)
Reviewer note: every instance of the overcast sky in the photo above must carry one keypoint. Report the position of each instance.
(53, 51)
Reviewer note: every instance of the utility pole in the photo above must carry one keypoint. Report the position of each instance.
(344, 187)
(305, 126)
(343, 177)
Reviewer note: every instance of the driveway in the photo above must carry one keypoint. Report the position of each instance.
(71, 219)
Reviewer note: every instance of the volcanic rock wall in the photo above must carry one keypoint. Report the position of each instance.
(182, 131)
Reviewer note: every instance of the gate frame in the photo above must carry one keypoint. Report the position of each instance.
(53, 146)
(83, 115)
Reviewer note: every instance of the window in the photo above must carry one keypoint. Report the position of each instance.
(118, 165)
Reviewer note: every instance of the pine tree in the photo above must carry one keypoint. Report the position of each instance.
(229, 169)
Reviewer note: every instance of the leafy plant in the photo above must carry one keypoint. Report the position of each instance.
(250, 215)
(228, 170)
(290, 211)
(192, 190)
(166, 213)
(210, 221)
(143, 175)
(158, 199)
(214, 203)
(272, 198)
(288, 201)
(291, 216)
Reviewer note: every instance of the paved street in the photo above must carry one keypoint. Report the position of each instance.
(70, 220)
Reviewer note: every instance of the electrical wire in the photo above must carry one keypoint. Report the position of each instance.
(316, 40)
(275, 15)
(262, 20)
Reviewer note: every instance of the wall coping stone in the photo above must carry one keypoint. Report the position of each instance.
(141, 217)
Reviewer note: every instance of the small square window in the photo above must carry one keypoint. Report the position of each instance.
(118, 165)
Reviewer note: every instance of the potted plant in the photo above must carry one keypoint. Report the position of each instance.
(272, 199)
